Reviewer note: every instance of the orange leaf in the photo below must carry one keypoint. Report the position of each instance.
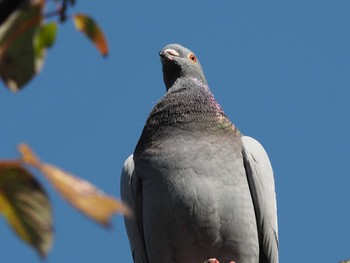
(81, 194)
(90, 28)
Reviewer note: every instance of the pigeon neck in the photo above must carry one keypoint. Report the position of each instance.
(188, 107)
(170, 75)
(173, 73)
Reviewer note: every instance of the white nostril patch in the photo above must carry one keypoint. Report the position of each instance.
(172, 52)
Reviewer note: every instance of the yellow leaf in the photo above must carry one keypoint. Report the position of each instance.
(90, 28)
(81, 194)
(26, 207)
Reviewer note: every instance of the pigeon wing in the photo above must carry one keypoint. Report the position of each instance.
(262, 188)
(132, 195)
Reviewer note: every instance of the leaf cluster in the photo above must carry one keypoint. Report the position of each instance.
(27, 31)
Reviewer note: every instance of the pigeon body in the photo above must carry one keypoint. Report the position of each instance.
(197, 187)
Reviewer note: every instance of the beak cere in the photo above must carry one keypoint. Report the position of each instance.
(168, 54)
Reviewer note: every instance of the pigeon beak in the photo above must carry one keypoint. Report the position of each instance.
(168, 54)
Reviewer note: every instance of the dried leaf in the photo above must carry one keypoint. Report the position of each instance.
(90, 28)
(26, 206)
(81, 194)
(18, 60)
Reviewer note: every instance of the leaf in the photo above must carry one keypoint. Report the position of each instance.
(18, 60)
(79, 193)
(90, 28)
(46, 35)
(44, 38)
(26, 206)
(7, 7)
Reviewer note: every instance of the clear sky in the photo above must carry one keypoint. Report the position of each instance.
(280, 70)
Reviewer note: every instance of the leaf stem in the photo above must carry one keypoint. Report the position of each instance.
(61, 11)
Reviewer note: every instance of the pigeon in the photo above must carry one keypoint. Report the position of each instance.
(198, 188)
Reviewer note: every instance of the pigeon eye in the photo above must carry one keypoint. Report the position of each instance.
(192, 57)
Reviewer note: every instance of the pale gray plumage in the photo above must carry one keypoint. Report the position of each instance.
(197, 187)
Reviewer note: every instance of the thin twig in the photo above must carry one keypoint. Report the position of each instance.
(61, 11)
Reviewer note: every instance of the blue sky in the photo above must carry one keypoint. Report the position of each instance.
(280, 70)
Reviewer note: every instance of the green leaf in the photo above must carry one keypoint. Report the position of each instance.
(26, 206)
(44, 38)
(90, 28)
(46, 35)
(18, 61)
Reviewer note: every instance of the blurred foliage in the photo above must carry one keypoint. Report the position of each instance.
(26, 206)
(27, 30)
(81, 194)
(18, 60)
(90, 28)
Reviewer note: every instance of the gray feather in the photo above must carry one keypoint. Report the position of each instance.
(198, 189)
(131, 195)
(262, 188)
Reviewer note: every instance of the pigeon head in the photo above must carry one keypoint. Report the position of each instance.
(180, 62)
